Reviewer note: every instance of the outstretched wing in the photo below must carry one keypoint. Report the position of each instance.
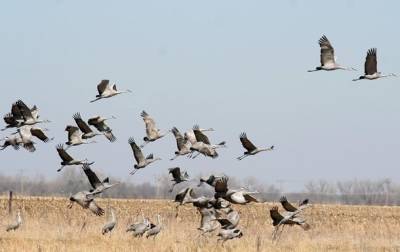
(370, 66)
(110, 136)
(25, 110)
(38, 132)
(246, 143)
(151, 128)
(327, 51)
(250, 198)
(72, 132)
(95, 208)
(200, 136)
(221, 184)
(180, 140)
(137, 152)
(16, 112)
(176, 172)
(94, 121)
(275, 215)
(10, 119)
(102, 86)
(150, 156)
(63, 154)
(286, 205)
(81, 123)
(93, 179)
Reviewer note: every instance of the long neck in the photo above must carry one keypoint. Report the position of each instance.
(158, 220)
(388, 75)
(113, 219)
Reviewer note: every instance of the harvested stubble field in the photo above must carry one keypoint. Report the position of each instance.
(50, 226)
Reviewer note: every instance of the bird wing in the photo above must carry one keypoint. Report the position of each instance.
(221, 185)
(304, 202)
(73, 132)
(151, 128)
(102, 86)
(25, 111)
(29, 146)
(370, 66)
(250, 198)
(286, 205)
(176, 172)
(16, 112)
(200, 136)
(63, 154)
(150, 156)
(93, 179)
(247, 144)
(110, 136)
(94, 121)
(275, 215)
(327, 51)
(207, 216)
(137, 152)
(224, 222)
(95, 208)
(81, 123)
(9, 119)
(38, 132)
(180, 140)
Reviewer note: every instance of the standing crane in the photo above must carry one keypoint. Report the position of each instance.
(111, 223)
(18, 222)
(154, 228)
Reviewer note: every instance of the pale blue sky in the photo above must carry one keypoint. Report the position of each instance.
(231, 65)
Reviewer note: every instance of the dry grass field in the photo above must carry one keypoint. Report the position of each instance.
(50, 226)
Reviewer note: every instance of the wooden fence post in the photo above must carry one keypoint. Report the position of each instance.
(10, 196)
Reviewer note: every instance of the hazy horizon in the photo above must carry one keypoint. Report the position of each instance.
(231, 65)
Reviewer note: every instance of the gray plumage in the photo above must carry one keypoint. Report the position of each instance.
(138, 229)
(18, 222)
(106, 90)
(141, 161)
(98, 186)
(100, 124)
(155, 229)
(152, 132)
(111, 223)
(86, 200)
(67, 160)
(251, 149)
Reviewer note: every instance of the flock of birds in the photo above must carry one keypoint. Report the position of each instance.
(217, 211)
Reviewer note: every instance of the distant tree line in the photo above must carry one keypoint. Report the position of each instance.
(355, 192)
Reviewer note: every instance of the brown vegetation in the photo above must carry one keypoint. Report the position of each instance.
(50, 226)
